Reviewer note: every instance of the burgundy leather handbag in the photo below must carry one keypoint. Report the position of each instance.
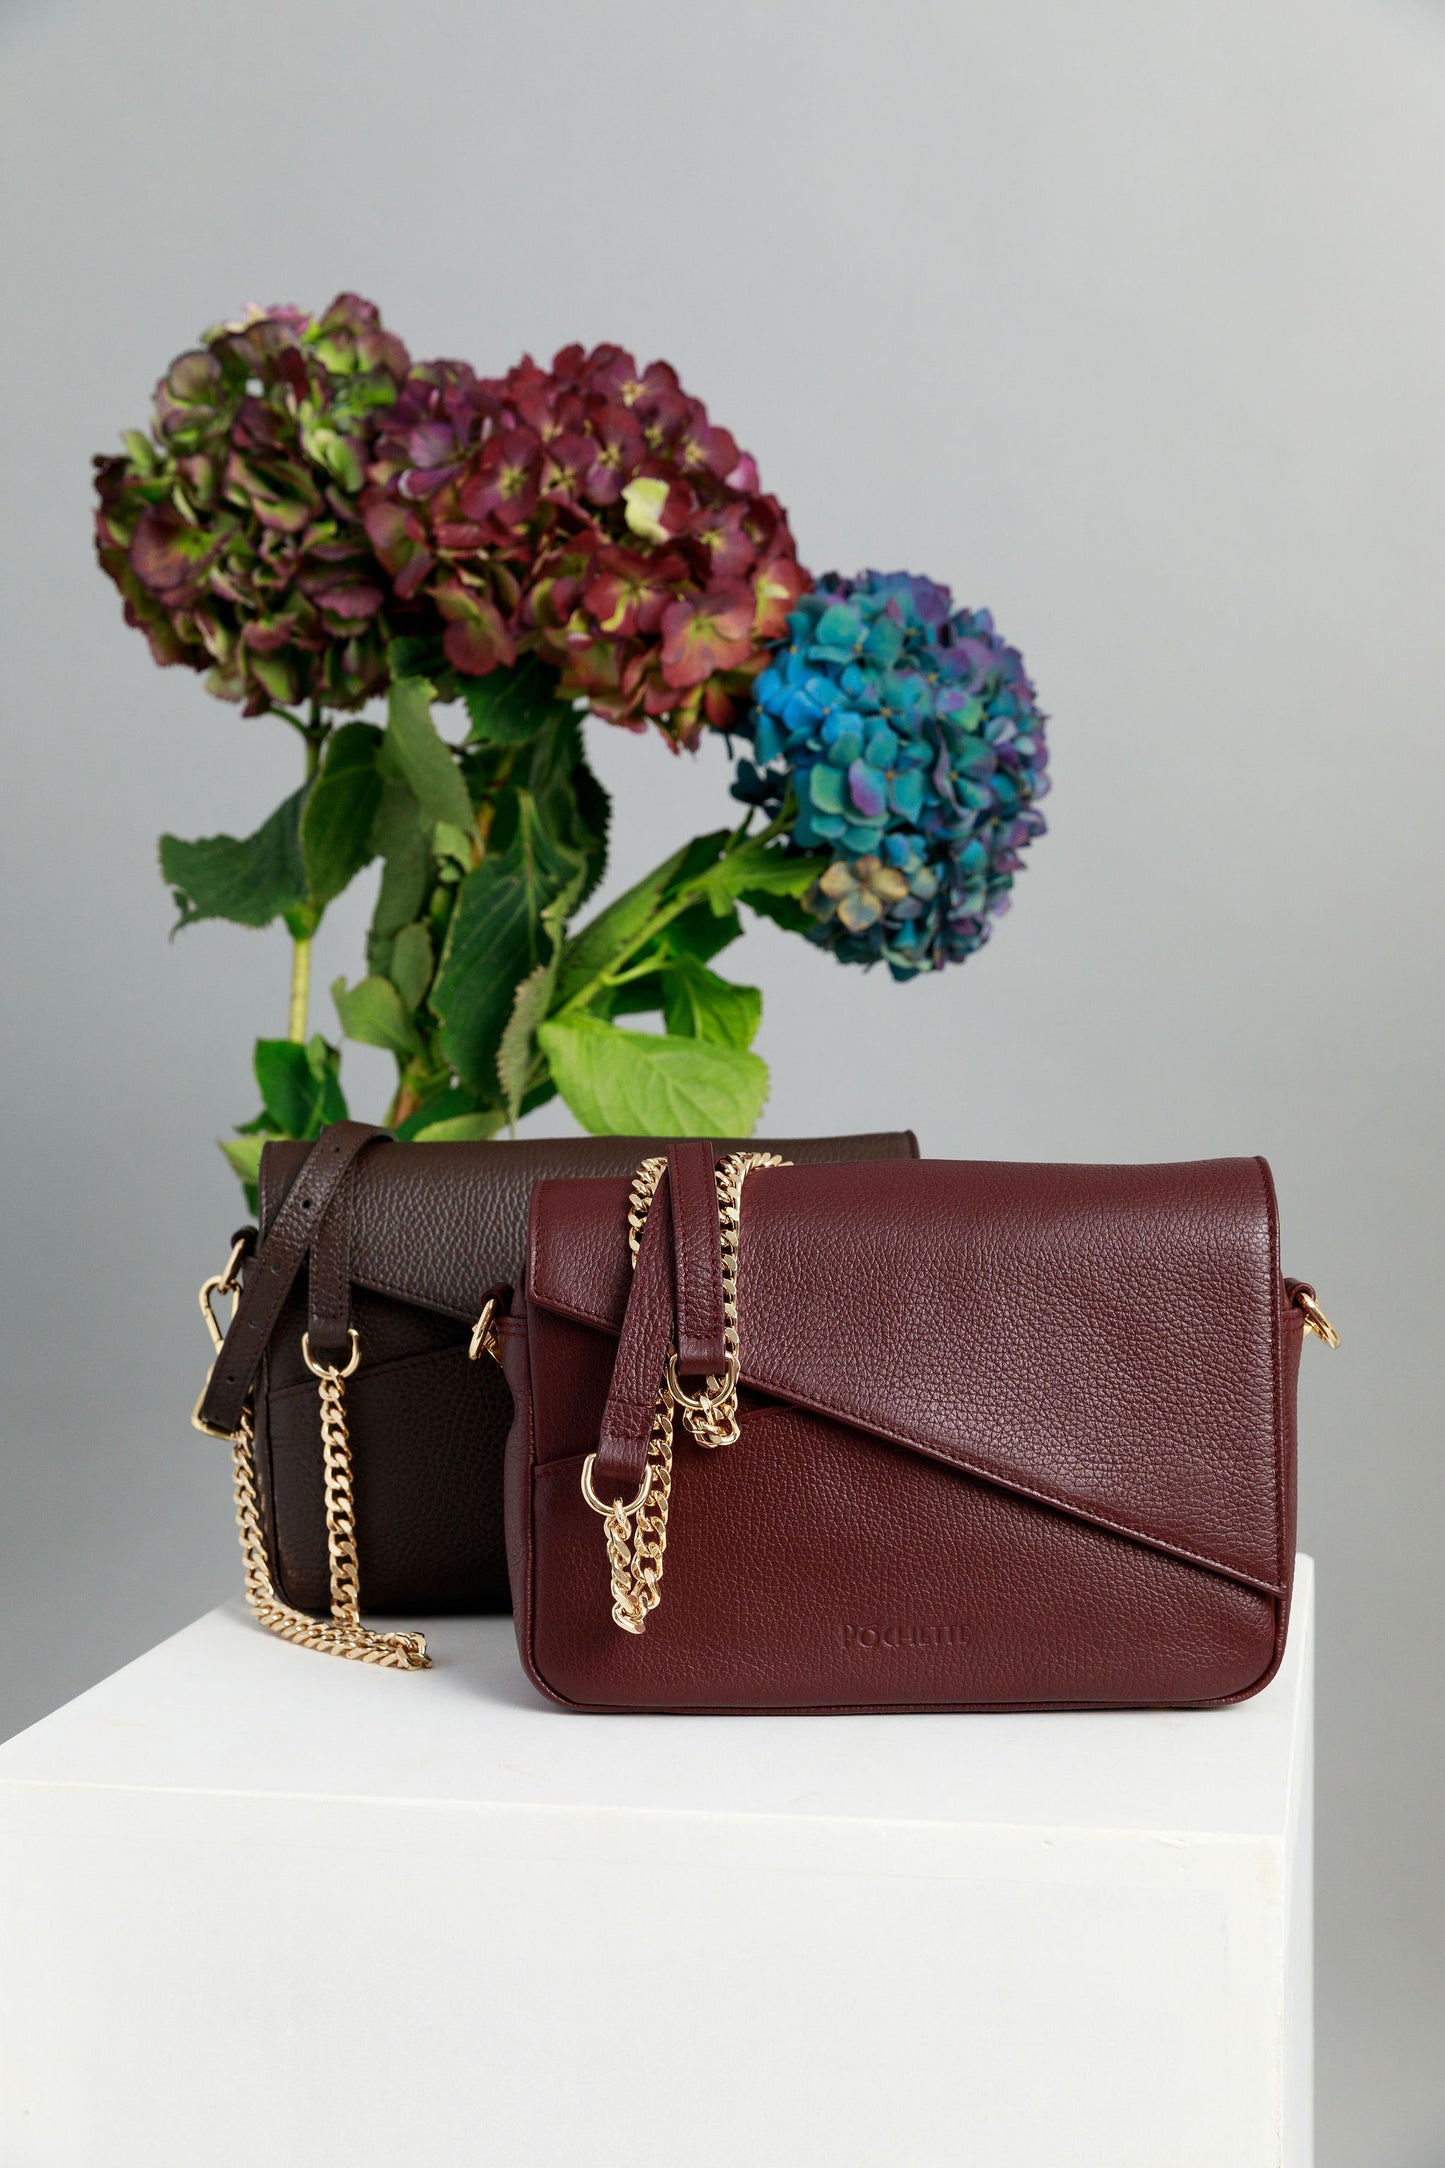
(366, 1433)
(904, 1436)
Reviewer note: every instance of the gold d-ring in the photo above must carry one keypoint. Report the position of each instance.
(329, 1370)
(601, 1506)
(717, 1389)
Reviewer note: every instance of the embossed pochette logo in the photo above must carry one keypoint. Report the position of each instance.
(903, 1637)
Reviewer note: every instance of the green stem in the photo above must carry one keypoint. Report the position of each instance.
(653, 927)
(614, 974)
(300, 990)
(625, 978)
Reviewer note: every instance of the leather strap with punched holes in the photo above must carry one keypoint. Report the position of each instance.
(273, 1273)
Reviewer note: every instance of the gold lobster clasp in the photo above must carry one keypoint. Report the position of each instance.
(484, 1339)
(220, 1283)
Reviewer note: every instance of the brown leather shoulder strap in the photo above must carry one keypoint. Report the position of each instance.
(328, 1323)
(269, 1280)
(697, 1258)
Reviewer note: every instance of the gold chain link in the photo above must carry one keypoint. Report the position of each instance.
(333, 1636)
(639, 1202)
(636, 1534)
(343, 1633)
(712, 1415)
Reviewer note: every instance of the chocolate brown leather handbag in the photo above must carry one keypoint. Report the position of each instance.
(904, 1436)
(355, 1383)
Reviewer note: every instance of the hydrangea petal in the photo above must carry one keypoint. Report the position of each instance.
(868, 789)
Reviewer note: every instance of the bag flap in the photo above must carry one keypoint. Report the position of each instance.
(438, 1224)
(1102, 1339)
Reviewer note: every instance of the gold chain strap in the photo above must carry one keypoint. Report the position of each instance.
(636, 1534)
(342, 1634)
(639, 1202)
(333, 1637)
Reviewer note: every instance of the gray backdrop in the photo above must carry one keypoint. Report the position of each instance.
(1125, 317)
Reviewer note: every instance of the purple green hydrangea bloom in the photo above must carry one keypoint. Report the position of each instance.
(914, 747)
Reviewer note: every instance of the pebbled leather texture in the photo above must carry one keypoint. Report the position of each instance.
(1012, 1436)
(429, 1230)
(697, 1258)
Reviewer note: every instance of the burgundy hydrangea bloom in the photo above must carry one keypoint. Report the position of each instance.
(233, 529)
(590, 514)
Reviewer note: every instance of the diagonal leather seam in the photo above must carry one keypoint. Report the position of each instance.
(528, 1640)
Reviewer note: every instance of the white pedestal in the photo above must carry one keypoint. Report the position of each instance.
(259, 1905)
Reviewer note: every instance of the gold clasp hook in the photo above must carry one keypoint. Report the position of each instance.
(484, 1339)
(1315, 1319)
(221, 1283)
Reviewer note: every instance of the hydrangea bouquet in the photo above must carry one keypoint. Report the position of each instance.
(315, 522)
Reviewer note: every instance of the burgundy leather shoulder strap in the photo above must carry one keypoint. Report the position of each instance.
(637, 1372)
(270, 1277)
(697, 1258)
(676, 1297)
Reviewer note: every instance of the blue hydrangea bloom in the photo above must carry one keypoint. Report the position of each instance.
(915, 749)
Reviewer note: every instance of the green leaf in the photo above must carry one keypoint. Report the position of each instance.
(786, 911)
(697, 1004)
(456, 844)
(497, 937)
(325, 1061)
(594, 821)
(700, 932)
(539, 1095)
(399, 839)
(249, 880)
(635, 997)
(340, 812)
(374, 1014)
(462, 1128)
(507, 707)
(411, 964)
(244, 1156)
(614, 931)
(300, 1086)
(411, 658)
(758, 868)
(440, 1107)
(621, 1083)
(516, 1049)
(424, 759)
(141, 450)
